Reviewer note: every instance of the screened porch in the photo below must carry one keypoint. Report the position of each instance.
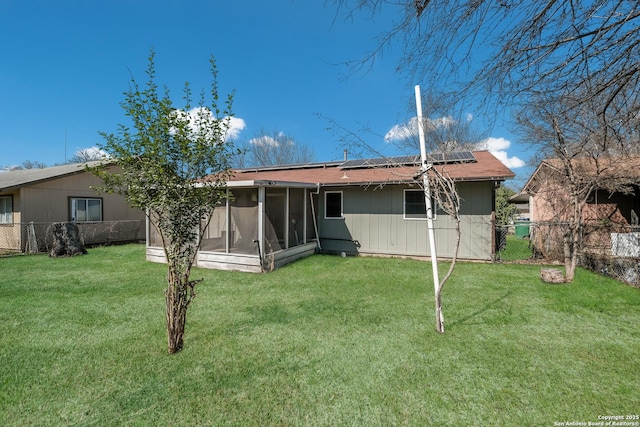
(261, 226)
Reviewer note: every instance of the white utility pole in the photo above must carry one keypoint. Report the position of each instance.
(424, 167)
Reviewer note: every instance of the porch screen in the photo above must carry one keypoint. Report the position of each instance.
(244, 229)
(312, 205)
(214, 236)
(296, 217)
(234, 230)
(154, 237)
(244, 221)
(275, 219)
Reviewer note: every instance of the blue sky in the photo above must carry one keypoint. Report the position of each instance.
(66, 64)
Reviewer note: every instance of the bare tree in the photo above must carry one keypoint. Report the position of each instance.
(508, 50)
(446, 128)
(443, 189)
(571, 68)
(27, 164)
(85, 155)
(269, 148)
(582, 149)
(512, 53)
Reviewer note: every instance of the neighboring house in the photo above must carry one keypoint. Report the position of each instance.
(280, 213)
(608, 216)
(31, 200)
(521, 202)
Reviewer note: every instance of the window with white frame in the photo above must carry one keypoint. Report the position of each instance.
(85, 209)
(415, 206)
(6, 210)
(333, 204)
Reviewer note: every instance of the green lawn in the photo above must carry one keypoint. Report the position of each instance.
(516, 249)
(325, 341)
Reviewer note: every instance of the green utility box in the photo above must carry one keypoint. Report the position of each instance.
(522, 229)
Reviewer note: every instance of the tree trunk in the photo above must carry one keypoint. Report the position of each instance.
(570, 269)
(571, 244)
(178, 296)
(572, 262)
(571, 240)
(445, 279)
(177, 301)
(439, 315)
(66, 240)
(568, 254)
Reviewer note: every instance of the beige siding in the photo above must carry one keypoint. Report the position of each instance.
(374, 220)
(49, 201)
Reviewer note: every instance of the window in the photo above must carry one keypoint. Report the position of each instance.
(333, 204)
(414, 205)
(82, 210)
(6, 210)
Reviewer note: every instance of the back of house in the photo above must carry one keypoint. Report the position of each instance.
(277, 214)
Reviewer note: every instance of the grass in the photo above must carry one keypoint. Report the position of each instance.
(516, 249)
(324, 341)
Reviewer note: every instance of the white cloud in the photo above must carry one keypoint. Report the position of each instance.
(498, 147)
(203, 114)
(443, 121)
(264, 140)
(410, 129)
(236, 125)
(91, 153)
(403, 131)
(276, 140)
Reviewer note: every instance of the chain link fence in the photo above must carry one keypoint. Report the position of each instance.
(37, 237)
(609, 249)
(512, 247)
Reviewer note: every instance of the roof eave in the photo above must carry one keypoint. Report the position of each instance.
(248, 183)
(411, 181)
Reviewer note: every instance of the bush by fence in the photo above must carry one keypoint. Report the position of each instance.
(609, 249)
(38, 237)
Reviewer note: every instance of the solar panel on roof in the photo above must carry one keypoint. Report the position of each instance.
(461, 156)
(433, 158)
(380, 162)
(453, 157)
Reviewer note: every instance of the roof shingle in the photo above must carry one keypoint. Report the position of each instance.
(486, 168)
(18, 178)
